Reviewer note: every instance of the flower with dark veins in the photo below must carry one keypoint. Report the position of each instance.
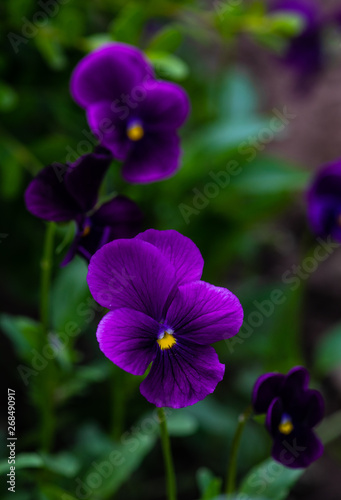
(61, 193)
(162, 314)
(292, 411)
(134, 115)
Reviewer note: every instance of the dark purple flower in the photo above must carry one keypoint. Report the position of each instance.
(161, 313)
(324, 202)
(70, 192)
(135, 116)
(305, 51)
(292, 410)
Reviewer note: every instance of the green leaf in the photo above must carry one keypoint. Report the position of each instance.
(327, 353)
(182, 423)
(23, 461)
(166, 40)
(50, 49)
(267, 175)
(237, 95)
(128, 25)
(168, 66)
(8, 98)
(22, 331)
(270, 480)
(209, 485)
(70, 306)
(64, 464)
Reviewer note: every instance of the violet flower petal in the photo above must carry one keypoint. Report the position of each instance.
(109, 73)
(133, 274)
(204, 314)
(182, 376)
(183, 254)
(128, 339)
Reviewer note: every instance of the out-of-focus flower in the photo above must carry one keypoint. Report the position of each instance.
(135, 116)
(305, 51)
(62, 193)
(161, 313)
(324, 202)
(292, 410)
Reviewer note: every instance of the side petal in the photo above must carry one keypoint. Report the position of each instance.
(165, 107)
(155, 157)
(274, 416)
(204, 314)
(311, 410)
(109, 73)
(265, 390)
(184, 255)
(131, 273)
(298, 450)
(47, 197)
(182, 376)
(107, 125)
(128, 339)
(84, 177)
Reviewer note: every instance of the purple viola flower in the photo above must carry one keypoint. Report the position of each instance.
(324, 202)
(305, 51)
(62, 193)
(161, 313)
(134, 115)
(292, 410)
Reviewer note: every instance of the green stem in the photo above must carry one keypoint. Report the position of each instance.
(46, 270)
(232, 467)
(47, 379)
(167, 455)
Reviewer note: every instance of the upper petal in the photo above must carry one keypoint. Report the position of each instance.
(109, 73)
(184, 255)
(182, 376)
(128, 339)
(265, 390)
(155, 157)
(84, 177)
(131, 273)
(204, 314)
(47, 197)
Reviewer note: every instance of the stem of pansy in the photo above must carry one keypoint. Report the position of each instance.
(46, 410)
(46, 269)
(232, 466)
(167, 455)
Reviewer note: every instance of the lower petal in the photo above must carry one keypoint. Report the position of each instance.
(298, 450)
(155, 157)
(128, 339)
(182, 376)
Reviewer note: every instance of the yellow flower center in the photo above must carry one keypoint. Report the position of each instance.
(86, 230)
(166, 339)
(286, 426)
(135, 131)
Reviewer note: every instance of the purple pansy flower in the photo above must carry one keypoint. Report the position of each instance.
(135, 116)
(305, 51)
(69, 192)
(161, 313)
(292, 410)
(324, 202)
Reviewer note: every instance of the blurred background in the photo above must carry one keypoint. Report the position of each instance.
(260, 126)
